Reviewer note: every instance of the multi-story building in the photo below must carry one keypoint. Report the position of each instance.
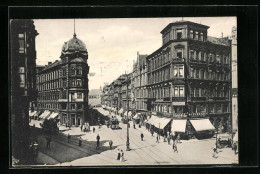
(234, 79)
(189, 76)
(94, 97)
(23, 83)
(139, 82)
(63, 85)
(126, 93)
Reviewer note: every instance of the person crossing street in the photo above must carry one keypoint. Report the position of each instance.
(98, 138)
(142, 136)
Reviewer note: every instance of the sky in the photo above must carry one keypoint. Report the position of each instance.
(113, 43)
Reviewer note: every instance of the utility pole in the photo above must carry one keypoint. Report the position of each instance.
(127, 138)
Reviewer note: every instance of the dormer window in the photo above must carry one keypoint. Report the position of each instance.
(179, 34)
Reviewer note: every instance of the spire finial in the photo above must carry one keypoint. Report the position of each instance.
(74, 35)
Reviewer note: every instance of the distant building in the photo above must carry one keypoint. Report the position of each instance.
(63, 85)
(94, 97)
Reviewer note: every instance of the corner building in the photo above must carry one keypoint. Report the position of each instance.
(63, 85)
(189, 76)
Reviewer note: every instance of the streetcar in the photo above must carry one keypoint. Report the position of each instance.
(114, 123)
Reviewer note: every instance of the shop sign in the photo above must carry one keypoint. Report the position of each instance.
(178, 103)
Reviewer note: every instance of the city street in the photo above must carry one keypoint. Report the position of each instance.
(146, 152)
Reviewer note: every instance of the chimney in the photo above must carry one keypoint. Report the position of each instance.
(49, 63)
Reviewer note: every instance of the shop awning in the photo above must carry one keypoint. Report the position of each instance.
(178, 125)
(202, 125)
(45, 114)
(53, 115)
(32, 113)
(235, 138)
(151, 119)
(161, 122)
(121, 111)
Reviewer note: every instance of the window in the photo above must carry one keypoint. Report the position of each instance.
(196, 35)
(73, 71)
(197, 92)
(178, 91)
(179, 34)
(21, 46)
(191, 54)
(191, 34)
(79, 71)
(72, 106)
(192, 72)
(197, 55)
(79, 95)
(179, 53)
(201, 36)
(202, 56)
(178, 70)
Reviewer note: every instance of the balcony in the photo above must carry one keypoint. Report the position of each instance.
(198, 98)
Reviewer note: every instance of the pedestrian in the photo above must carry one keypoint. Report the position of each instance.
(134, 126)
(94, 129)
(164, 138)
(110, 144)
(80, 141)
(168, 139)
(81, 127)
(48, 143)
(157, 138)
(98, 138)
(139, 125)
(174, 146)
(69, 138)
(118, 154)
(215, 153)
(235, 148)
(122, 156)
(142, 136)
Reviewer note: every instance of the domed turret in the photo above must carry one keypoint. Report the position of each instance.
(74, 46)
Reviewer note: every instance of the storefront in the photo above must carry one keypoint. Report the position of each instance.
(178, 126)
(202, 128)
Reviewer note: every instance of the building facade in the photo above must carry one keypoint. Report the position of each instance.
(139, 82)
(23, 83)
(95, 97)
(234, 79)
(189, 76)
(63, 85)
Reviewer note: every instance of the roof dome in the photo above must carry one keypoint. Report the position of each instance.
(74, 44)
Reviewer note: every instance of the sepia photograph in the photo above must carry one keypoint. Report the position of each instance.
(123, 91)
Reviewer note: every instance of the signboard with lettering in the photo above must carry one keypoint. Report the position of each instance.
(178, 103)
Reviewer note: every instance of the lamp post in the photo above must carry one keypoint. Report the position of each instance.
(127, 134)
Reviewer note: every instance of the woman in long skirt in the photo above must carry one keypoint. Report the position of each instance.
(122, 156)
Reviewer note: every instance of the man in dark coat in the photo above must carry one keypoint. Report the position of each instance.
(110, 144)
(118, 154)
(69, 138)
(235, 148)
(80, 141)
(142, 136)
(98, 138)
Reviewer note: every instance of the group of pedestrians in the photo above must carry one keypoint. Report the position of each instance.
(120, 155)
